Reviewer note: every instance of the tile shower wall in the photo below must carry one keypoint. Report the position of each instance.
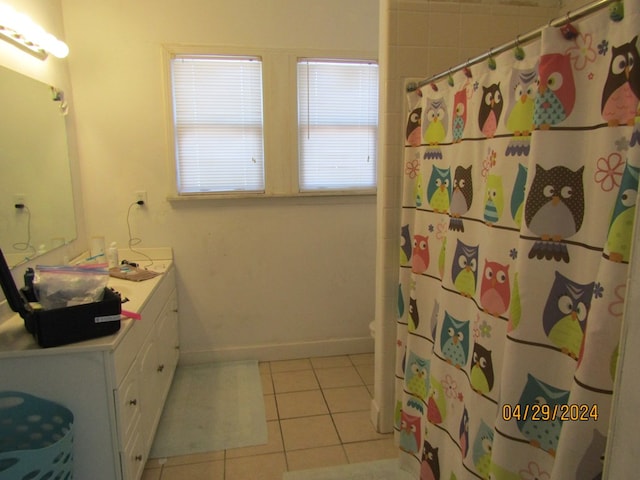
(419, 39)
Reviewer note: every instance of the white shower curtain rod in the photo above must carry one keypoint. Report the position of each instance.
(521, 39)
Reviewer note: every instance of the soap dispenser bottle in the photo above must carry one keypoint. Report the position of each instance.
(112, 255)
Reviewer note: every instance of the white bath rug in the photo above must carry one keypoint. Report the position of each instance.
(211, 407)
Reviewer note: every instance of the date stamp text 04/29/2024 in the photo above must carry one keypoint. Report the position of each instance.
(544, 413)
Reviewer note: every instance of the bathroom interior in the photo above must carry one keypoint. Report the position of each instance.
(297, 282)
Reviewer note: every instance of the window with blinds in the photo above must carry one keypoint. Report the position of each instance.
(337, 124)
(218, 123)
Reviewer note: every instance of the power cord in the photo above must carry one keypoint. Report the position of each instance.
(25, 245)
(133, 241)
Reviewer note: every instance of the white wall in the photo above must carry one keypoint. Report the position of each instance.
(265, 278)
(621, 460)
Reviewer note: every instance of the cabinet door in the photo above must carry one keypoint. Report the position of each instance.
(150, 403)
(133, 458)
(158, 359)
(127, 398)
(168, 345)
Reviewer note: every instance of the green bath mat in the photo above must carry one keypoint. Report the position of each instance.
(212, 407)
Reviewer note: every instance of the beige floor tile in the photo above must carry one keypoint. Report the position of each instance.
(366, 373)
(267, 383)
(347, 399)
(194, 458)
(331, 362)
(355, 427)
(270, 409)
(260, 467)
(273, 445)
(290, 365)
(338, 377)
(372, 450)
(151, 474)
(295, 381)
(301, 404)
(155, 463)
(371, 390)
(362, 358)
(264, 367)
(195, 471)
(316, 458)
(308, 432)
(312, 438)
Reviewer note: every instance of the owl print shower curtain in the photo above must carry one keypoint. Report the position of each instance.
(520, 183)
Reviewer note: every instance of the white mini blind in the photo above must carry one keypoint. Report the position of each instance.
(217, 104)
(337, 124)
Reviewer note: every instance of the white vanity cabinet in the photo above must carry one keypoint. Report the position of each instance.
(142, 393)
(116, 386)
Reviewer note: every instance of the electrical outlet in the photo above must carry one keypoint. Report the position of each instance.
(19, 199)
(141, 196)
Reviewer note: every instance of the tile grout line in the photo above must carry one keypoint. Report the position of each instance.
(324, 398)
(331, 414)
(279, 420)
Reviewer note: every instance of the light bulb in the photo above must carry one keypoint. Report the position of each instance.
(59, 49)
(19, 28)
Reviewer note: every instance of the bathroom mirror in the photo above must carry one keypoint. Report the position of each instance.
(34, 169)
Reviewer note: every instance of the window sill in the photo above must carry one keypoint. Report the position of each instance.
(303, 198)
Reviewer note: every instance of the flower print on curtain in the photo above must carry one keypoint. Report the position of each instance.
(519, 194)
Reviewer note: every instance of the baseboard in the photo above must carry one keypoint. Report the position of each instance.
(380, 424)
(374, 415)
(280, 351)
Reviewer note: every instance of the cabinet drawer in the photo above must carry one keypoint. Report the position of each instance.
(127, 398)
(133, 457)
(133, 341)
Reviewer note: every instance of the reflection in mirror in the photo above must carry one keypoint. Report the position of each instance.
(36, 198)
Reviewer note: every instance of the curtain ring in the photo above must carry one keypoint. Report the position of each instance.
(467, 70)
(450, 78)
(616, 11)
(519, 51)
(568, 31)
(492, 61)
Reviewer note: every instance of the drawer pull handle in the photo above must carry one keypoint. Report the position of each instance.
(133, 402)
(138, 458)
(160, 368)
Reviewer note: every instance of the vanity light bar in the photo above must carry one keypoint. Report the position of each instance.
(22, 32)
